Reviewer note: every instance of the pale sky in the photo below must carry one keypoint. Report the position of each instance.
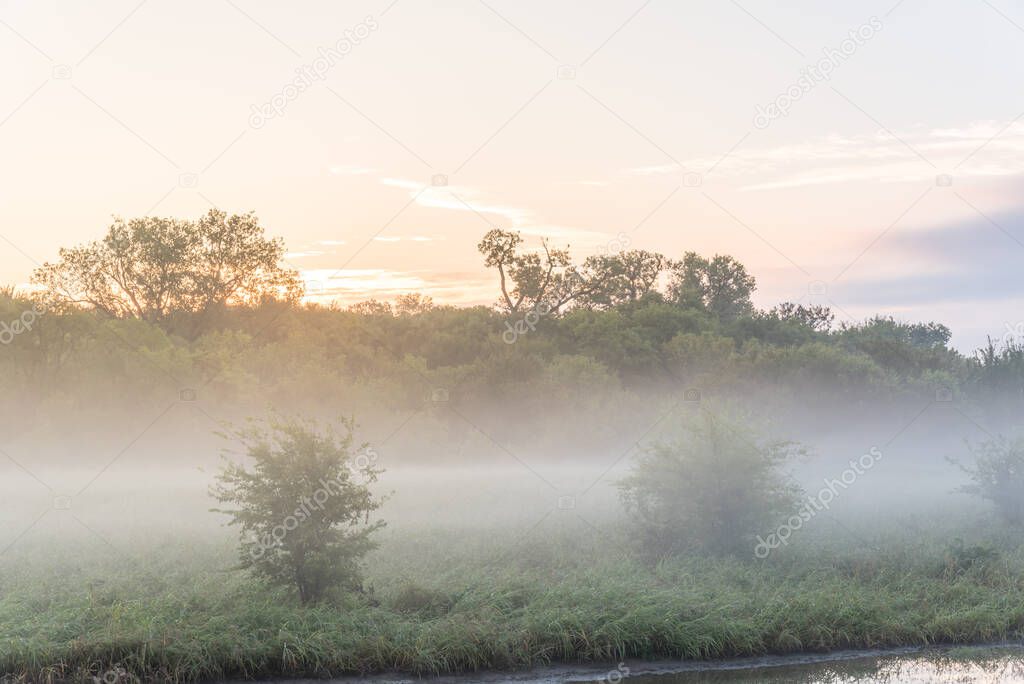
(890, 187)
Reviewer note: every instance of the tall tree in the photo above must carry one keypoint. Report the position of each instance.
(720, 285)
(614, 279)
(150, 267)
(529, 278)
(816, 317)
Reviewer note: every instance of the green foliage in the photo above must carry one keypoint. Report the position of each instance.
(893, 344)
(417, 599)
(611, 280)
(302, 510)
(528, 279)
(710, 491)
(816, 317)
(546, 280)
(295, 358)
(999, 371)
(720, 285)
(997, 475)
(814, 365)
(611, 338)
(646, 346)
(961, 558)
(706, 352)
(73, 613)
(151, 268)
(885, 329)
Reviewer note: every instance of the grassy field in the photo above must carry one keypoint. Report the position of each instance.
(458, 600)
(477, 571)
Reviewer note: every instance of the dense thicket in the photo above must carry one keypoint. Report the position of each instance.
(570, 359)
(577, 378)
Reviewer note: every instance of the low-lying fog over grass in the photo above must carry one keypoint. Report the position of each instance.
(485, 340)
(499, 556)
(207, 475)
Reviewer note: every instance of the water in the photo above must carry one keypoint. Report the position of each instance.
(986, 666)
(999, 664)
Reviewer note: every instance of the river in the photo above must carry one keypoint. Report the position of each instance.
(983, 665)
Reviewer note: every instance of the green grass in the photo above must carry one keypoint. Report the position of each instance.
(458, 601)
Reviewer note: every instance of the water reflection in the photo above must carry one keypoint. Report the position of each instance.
(961, 665)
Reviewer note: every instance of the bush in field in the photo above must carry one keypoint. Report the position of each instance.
(960, 558)
(998, 475)
(710, 491)
(304, 507)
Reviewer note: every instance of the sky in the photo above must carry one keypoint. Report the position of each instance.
(865, 156)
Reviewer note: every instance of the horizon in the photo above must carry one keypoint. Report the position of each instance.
(553, 122)
(482, 340)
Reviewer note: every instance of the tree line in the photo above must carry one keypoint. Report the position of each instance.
(159, 304)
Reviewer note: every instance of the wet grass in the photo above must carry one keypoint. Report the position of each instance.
(459, 601)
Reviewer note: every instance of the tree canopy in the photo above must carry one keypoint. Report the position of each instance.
(547, 276)
(621, 336)
(151, 267)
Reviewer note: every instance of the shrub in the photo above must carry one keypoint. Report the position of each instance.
(998, 475)
(413, 598)
(304, 509)
(710, 491)
(960, 558)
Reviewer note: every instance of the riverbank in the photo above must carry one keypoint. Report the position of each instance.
(451, 602)
(993, 663)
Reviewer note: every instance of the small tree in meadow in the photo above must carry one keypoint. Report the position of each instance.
(711, 491)
(998, 475)
(304, 507)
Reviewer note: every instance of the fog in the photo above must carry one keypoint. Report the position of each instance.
(273, 489)
(140, 478)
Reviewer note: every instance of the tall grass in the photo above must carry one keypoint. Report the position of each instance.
(458, 601)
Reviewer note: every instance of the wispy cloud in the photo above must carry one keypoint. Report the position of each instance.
(467, 199)
(456, 198)
(351, 285)
(980, 149)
